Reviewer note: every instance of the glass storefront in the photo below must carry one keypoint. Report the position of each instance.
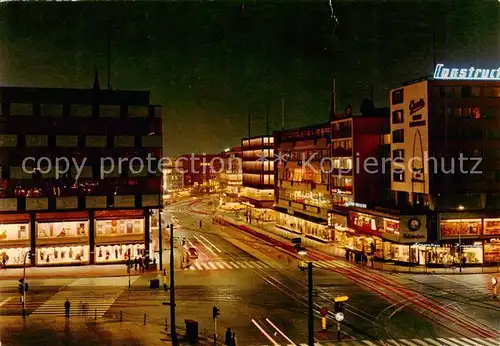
(59, 230)
(118, 253)
(119, 227)
(13, 256)
(492, 251)
(17, 231)
(298, 225)
(71, 254)
(491, 227)
(465, 227)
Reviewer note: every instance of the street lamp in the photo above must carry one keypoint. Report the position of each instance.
(460, 207)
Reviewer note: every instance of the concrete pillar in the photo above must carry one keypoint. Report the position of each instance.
(146, 231)
(91, 237)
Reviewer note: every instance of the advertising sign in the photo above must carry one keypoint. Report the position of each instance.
(413, 229)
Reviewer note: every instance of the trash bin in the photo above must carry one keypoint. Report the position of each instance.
(155, 283)
(191, 331)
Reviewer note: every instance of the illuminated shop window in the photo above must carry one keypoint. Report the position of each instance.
(14, 232)
(62, 255)
(119, 227)
(62, 229)
(13, 256)
(118, 253)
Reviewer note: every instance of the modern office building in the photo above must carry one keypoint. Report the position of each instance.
(231, 178)
(445, 132)
(173, 178)
(202, 172)
(90, 209)
(303, 195)
(258, 170)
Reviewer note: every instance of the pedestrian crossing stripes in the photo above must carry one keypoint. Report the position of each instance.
(412, 342)
(224, 265)
(83, 301)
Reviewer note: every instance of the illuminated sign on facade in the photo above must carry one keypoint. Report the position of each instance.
(470, 73)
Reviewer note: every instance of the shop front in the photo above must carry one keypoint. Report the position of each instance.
(119, 235)
(315, 230)
(15, 237)
(62, 238)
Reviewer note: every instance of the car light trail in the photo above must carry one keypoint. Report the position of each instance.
(279, 331)
(202, 243)
(265, 333)
(208, 241)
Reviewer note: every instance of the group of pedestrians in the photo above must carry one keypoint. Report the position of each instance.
(142, 263)
(356, 257)
(230, 338)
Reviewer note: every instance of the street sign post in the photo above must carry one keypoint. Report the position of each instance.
(339, 316)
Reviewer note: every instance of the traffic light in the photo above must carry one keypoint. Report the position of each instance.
(23, 286)
(215, 312)
(338, 307)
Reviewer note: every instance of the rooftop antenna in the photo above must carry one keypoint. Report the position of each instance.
(333, 103)
(282, 113)
(434, 40)
(249, 125)
(267, 120)
(109, 58)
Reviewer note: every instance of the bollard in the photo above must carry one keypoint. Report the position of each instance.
(95, 314)
(121, 316)
(144, 319)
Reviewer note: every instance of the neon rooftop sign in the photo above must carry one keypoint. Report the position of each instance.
(470, 73)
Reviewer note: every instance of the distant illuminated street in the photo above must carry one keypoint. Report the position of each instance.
(264, 300)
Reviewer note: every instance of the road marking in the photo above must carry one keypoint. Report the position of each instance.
(208, 241)
(369, 343)
(279, 331)
(265, 333)
(5, 301)
(227, 265)
(218, 264)
(423, 343)
(433, 342)
(471, 342)
(234, 264)
(212, 265)
(202, 243)
(407, 342)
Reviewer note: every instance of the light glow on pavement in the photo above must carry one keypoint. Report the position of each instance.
(279, 331)
(208, 241)
(265, 333)
(207, 247)
(5, 301)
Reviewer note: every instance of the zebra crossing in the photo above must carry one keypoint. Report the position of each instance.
(84, 300)
(229, 264)
(412, 342)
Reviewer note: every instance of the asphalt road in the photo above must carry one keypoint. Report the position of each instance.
(262, 295)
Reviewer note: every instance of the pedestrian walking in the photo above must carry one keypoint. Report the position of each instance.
(67, 306)
(233, 340)
(146, 262)
(136, 262)
(141, 264)
(228, 337)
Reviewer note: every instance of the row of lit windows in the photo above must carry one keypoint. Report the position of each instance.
(13, 141)
(59, 110)
(466, 91)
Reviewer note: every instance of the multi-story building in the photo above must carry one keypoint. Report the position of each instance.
(202, 172)
(445, 134)
(173, 179)
(303, 180)
(231, 177)
(258, 170)
(76, 186)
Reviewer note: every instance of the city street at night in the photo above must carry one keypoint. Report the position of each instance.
(262, 295)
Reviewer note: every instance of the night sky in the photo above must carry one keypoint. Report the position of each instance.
(210, 63)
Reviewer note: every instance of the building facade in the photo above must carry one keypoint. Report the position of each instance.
(202, 172)
(258, 170)
(173, 179)
(231, 178)
(445, 133)
(65, 196)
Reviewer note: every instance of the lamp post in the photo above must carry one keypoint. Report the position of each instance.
(460, 207)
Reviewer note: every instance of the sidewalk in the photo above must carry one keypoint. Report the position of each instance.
(69, 271)
(281, 237)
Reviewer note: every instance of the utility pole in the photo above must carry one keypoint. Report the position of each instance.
(160, 240)
(310, 319)
(172, 289)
